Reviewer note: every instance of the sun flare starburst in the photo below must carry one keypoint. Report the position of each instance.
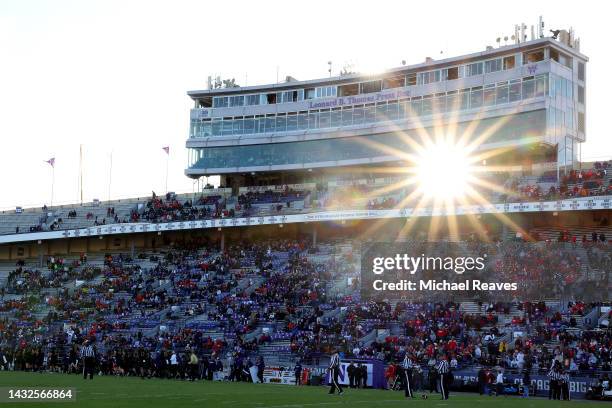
(443, 171)
(442, 168)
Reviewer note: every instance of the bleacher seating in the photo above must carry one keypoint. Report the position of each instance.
(280, 301)
(362, 193)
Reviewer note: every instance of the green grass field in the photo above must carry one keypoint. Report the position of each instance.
(137, 393)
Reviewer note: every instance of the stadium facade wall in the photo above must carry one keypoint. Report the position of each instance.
(590, 203)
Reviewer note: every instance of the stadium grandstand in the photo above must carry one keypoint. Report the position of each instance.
(264, 270)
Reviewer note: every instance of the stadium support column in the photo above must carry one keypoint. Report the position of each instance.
(43, 249)
(132, 248)
(314, 235)
(222, 240)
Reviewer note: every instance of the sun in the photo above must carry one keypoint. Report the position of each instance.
(443, 171)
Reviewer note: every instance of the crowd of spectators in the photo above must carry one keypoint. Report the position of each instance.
(58, 271)
(574, 184)
(495, 186)
(171, 303)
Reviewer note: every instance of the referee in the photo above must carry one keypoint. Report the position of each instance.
(564, 382)
(443, 369)
(407, 376)
(334, 373)
(554, 377)
(88, 356)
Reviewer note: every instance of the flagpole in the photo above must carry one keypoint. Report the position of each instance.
(81, 172)
(52, 183)
(167, 162)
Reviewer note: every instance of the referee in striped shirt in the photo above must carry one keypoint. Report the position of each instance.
(88, 356)
(334, 373)
(554, 383)
(443, 369)
(564, 383)
(407, 376)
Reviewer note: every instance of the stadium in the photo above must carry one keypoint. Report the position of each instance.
(257, 291)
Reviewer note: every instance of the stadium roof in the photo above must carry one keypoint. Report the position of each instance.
(428, 64)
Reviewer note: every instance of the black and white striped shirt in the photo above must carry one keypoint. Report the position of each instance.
(335, 361)
(88, 351)
(554, 375)
(565, 378)
(407, 363)
(443, 367)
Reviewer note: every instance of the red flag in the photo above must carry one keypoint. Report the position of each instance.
(51, 161)
(166, 149)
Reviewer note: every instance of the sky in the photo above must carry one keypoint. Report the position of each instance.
(112, 76)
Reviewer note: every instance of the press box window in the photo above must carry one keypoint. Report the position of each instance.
(411, 79)
(252, 99)
(474, 69)
(371, 87)
(271, 98)
(580, 94)
(290, 96)
(509, 62)
(554, 54)
(493, 65)
(205, 102)
(581, 71)
(309, 93)
(533, 56)
(560, 58)
(581, 123)
(348, 90)
(220, 102)
(326, 91)
(395, 82)
(451, 73)
(429, 77)
(237, 100)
